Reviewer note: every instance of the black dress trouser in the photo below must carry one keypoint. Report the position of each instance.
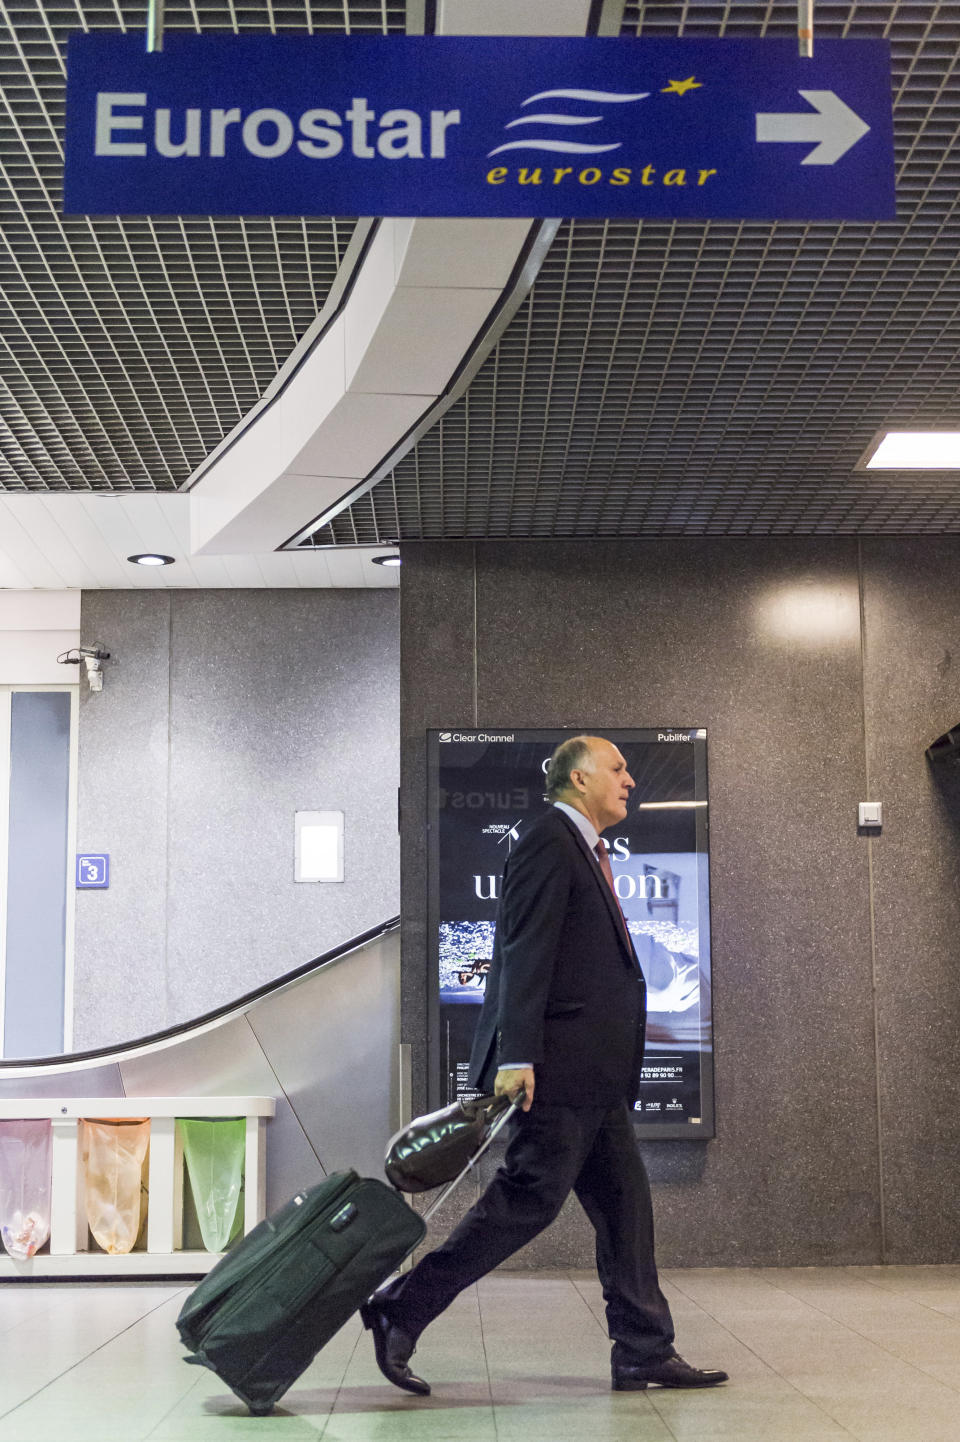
(553, 1150)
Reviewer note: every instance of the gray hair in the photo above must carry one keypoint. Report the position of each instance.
(569, 756)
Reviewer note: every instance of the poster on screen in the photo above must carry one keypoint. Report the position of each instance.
(485, 787)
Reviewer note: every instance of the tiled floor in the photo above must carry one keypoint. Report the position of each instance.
(814, 1354)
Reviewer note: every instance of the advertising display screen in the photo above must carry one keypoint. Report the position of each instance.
(484, 789)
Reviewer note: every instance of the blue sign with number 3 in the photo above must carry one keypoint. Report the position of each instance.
(93, 871)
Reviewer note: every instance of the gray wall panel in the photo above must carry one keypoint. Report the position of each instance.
(281, 701)
(759, 641)
(121, 934)
(912, 687)
(222, 713)
(437, 600)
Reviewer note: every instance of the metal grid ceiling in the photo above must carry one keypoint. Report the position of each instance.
(130, 347)
(719, 379)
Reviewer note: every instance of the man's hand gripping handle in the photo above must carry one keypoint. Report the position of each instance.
(513, 1080)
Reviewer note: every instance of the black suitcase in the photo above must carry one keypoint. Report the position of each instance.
(262, 1314)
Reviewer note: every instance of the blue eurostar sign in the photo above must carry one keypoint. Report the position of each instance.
(451, 126)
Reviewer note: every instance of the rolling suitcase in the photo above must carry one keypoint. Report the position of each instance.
(264, 1311)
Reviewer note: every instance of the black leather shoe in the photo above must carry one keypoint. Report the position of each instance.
(394, 1349)
(670, 1371)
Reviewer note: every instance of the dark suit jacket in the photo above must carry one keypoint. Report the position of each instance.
(564, 990)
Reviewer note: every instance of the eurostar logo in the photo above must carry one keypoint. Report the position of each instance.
(550, 119)
(626, 171)
(563, 145)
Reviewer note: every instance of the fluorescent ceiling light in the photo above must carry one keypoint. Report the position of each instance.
(916, 451)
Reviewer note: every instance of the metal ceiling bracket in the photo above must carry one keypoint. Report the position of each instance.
(155, 10)
(805, 28)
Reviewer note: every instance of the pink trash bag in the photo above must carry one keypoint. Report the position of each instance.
(25, 1166)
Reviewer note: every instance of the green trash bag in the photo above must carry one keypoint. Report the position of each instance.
(214, 1153)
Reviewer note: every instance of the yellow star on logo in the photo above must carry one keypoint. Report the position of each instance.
(680, 87)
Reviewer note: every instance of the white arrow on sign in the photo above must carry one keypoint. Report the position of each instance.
(835, 126)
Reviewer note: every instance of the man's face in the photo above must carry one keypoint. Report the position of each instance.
(604, 784)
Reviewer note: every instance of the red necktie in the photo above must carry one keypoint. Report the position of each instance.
(607, 869)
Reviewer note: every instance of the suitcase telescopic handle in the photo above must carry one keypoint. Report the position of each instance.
(492, 1134)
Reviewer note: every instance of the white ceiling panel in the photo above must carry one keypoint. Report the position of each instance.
(11, 576)
(205, 572)
(459, 252)
(345, 568)
(55, 542)
(43, 536)
(80, 519)
(22, 552)
(277, 571)
(117, 522)
(164, 526)
(443, 322)
(512, 17)
(268, 519)
(244, 572)
(360, 432)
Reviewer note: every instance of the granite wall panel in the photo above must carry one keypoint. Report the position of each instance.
(121, 933)
(437, 688)
(281, 701)
(223, 713)
(759, 641)
(912, 695)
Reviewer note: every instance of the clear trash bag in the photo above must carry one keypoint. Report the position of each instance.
(113, 1156)
(25, 1166)
(214, 1153)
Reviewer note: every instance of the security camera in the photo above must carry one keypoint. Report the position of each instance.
(92, 658)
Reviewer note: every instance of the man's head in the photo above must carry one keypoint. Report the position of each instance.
(589, 773)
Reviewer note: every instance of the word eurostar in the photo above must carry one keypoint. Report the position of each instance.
(593, 175)
(268, 133)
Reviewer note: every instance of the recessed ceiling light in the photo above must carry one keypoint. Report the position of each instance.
(914, 451)
(393, 560)
(151, 558)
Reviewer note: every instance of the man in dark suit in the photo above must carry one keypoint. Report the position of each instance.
(563, 1021)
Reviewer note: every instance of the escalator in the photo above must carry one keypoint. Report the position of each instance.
(323, 1040)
